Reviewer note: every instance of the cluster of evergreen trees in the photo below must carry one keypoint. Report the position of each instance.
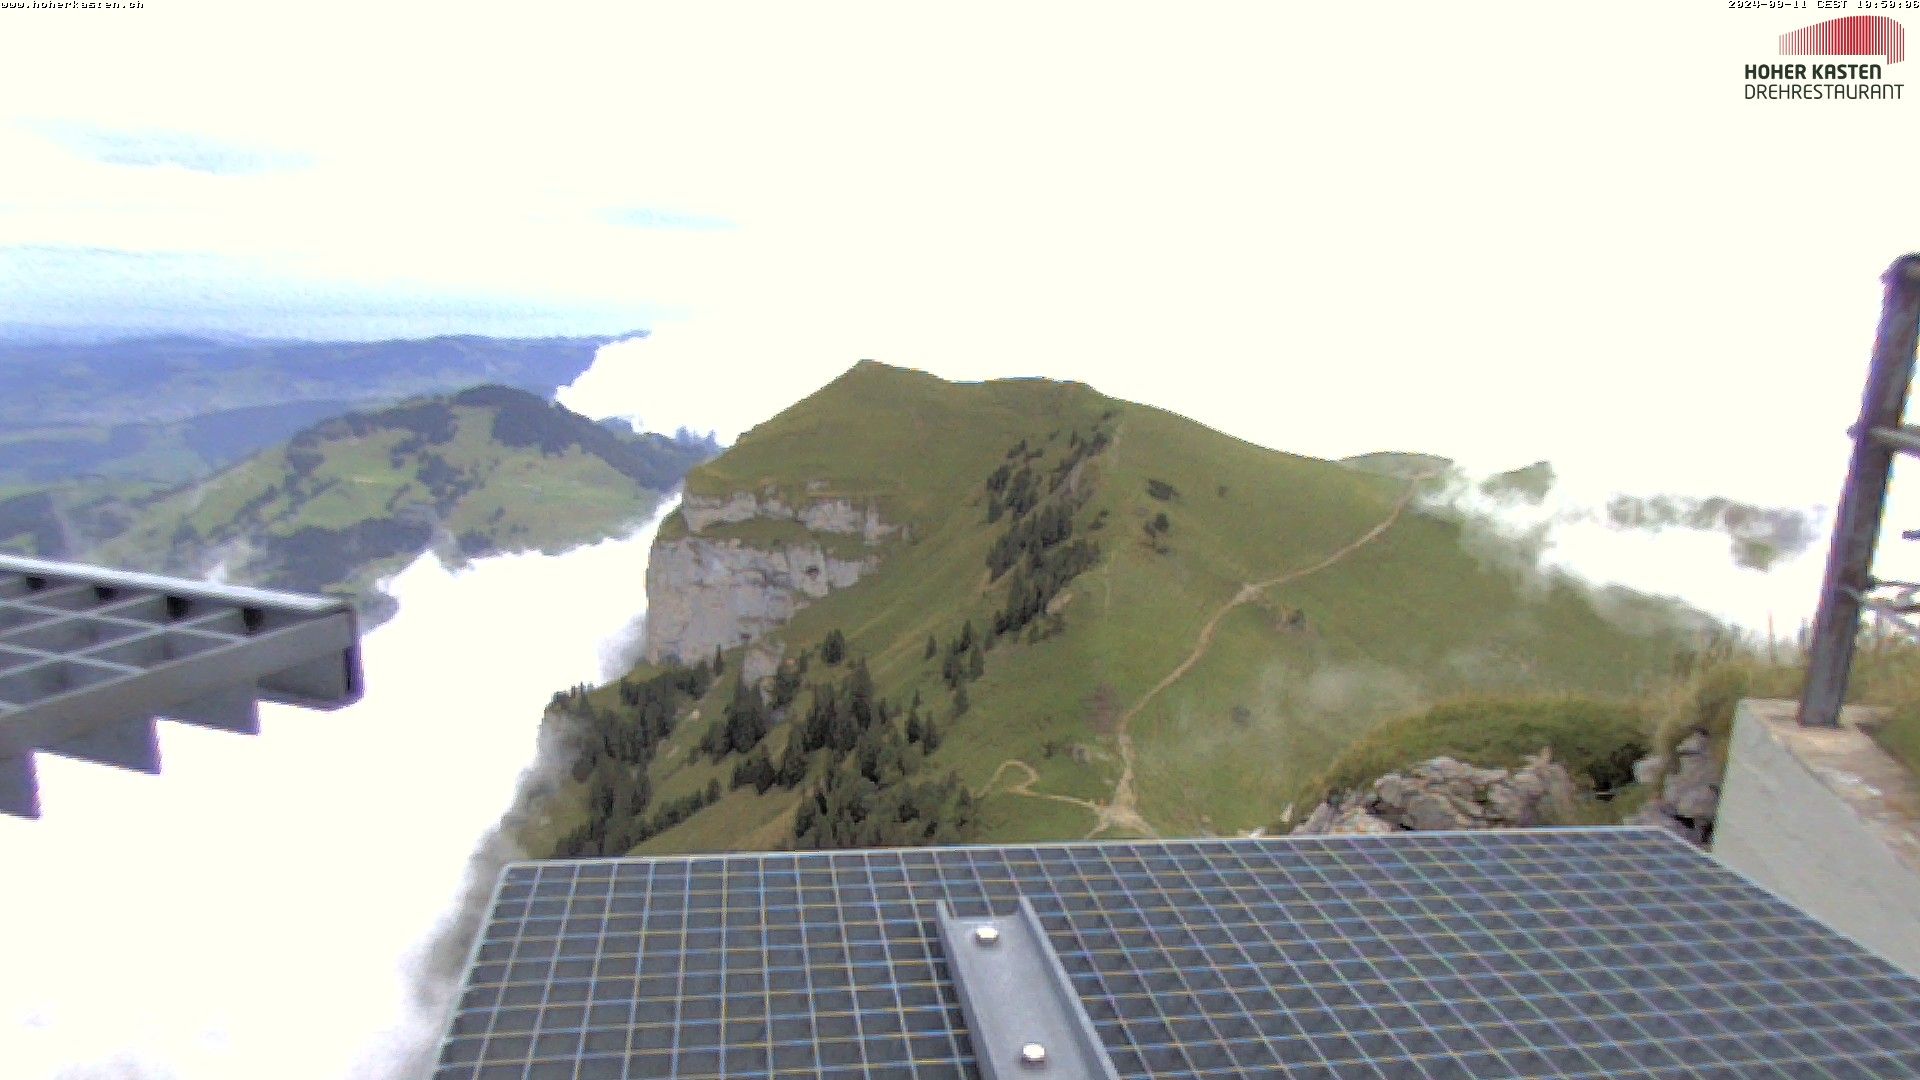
(1038, 552)
(834, 648)
(614, 747)
(1015, 492)
(1079, 450)
(525, 420)
(426, 423)
(965, 659)
(848, 717)
(847, 810)
(1011, 492)
(672, 813)
(866, 758)
(441, 479)
(1030, 591)
(786, 684)
(756, 771)
(749, 715)
(867, 762)
(746, 721)
(1156, 532)
(1051, 526)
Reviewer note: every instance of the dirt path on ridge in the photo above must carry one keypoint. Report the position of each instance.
(1123, 810)
(1025, 787)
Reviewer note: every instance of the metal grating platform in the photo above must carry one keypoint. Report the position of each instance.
(89, 658)
(1552, 953)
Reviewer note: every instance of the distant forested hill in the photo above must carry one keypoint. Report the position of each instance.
(491, 468)
(142, 413)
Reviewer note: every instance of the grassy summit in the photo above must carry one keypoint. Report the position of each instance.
(1190, 627)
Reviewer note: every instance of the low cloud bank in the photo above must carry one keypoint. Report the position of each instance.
(709, 378)
(1755, 567)
(293, 904)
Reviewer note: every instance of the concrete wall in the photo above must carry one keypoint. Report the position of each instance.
(1827, 820)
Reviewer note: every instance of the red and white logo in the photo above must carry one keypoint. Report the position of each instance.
(1854, 35)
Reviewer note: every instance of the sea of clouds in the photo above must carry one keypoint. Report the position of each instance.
(292, 904)
(266, 906)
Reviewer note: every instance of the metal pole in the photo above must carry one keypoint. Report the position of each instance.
(1856, 525)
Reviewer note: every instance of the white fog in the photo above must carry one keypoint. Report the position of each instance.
(202, 923)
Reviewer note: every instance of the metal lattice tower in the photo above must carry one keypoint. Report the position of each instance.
(1849, 586)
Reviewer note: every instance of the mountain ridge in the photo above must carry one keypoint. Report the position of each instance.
(1054, 555)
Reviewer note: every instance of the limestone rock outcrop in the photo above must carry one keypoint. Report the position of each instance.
(707, 591)
(1442, 793)
(819, 515)
(705, 594)
(1688, 798)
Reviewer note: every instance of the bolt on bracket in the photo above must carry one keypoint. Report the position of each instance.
(1023, 1017)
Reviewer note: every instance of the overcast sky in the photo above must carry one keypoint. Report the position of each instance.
(1327, 228)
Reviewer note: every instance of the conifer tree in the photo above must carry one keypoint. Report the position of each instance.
(793, 764)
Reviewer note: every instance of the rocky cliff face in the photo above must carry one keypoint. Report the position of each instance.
(706, 592)
(1687, 798)
(822, 515)
(1446, 794)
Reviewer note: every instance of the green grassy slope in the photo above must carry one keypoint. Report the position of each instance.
(90, 429)
(1597, 740)
(1901, 736)
(491, 468)
(163, 453)
(1285, 681)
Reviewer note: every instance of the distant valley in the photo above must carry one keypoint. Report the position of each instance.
(148, 380)
(128, 417)
(486, 469)
(312, 466)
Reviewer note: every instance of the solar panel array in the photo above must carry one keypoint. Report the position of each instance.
(1554, 953)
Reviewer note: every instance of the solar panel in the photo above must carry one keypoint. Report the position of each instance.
(1542, 953)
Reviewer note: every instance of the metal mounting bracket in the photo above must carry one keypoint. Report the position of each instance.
(1023, 1016)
